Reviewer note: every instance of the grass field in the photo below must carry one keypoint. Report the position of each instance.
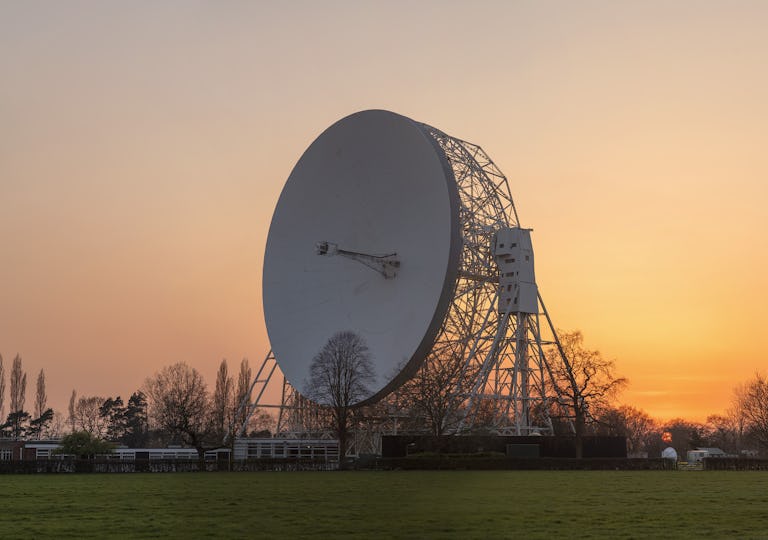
(449, 504)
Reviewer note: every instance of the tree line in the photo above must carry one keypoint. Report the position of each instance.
(174, 406)
(20, 423)
(584, 401)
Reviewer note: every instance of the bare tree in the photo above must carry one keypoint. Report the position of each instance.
(17, 417)
(634, 424)
(179, 403)
(18, 385)
(41, 398)
(736, 412)
(222, 401)
(431, 393)
(88, 416)
(261, 424)
(2, 389)
(721, 431)
(754, 407)
(242, 395)
(55, 429)
(587, 387)
(71, 410)
(339, 376)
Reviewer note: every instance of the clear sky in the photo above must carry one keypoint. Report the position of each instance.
(143, 146)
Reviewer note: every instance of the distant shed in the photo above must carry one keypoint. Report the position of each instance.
(695, 456)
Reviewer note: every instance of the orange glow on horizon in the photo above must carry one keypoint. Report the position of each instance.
(142, 153)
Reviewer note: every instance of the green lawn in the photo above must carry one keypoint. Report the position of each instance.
(449, 504)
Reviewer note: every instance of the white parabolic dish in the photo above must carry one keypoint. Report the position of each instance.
(376, 183)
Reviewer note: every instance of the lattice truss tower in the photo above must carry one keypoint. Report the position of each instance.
(494, 324)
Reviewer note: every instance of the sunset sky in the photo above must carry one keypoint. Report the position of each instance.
(143, 146)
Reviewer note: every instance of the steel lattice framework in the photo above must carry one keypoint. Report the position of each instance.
(505, 376)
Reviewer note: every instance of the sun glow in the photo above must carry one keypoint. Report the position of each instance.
(143, 151)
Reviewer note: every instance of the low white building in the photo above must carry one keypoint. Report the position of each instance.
(695, 456)
(47, 450)
(265, 448)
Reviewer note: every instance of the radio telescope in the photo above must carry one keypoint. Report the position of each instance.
(408, 237)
